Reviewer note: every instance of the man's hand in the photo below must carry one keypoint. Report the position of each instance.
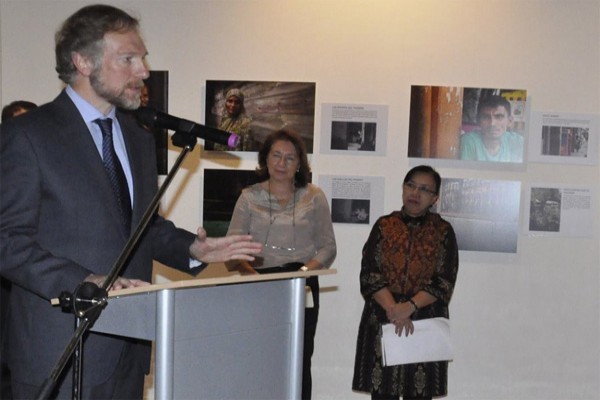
(119, 283)
(235, 247)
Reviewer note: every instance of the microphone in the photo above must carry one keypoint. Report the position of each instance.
(152, 117)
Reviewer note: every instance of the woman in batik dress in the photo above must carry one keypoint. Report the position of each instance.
(408, 271)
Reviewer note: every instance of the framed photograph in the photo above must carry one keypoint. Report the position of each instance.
(467, 124)
(351, 211)
(354, 199)
(354, 129)
(483, 213)
(254, 109)
(564, 138)
(219, 199)
(560, 211)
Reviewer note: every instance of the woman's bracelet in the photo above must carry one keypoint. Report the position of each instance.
(411, 301)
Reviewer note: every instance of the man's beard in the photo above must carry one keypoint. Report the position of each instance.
(114, 97)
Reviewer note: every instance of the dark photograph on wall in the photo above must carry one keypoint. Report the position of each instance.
(222, 187)
(219, 198)
(471, 124)
(359, 136)
(155, 94)
(350, 211)
(483, 213)
(254, 109)
(544, 210)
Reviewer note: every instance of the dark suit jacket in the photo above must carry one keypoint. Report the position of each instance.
(59, 223)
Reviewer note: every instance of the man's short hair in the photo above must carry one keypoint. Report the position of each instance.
(83, 32)
(493, 102)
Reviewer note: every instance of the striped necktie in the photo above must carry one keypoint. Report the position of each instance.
(115, 172)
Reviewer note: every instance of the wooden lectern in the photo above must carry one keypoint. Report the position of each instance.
(235, 337)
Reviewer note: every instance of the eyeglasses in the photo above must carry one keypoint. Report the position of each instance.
(272, 247)
(287, 158)
(421, 188)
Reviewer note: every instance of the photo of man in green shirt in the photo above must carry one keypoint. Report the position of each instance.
(493, 141)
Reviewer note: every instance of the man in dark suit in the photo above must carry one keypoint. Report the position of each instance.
(9, 111)
(60, 221)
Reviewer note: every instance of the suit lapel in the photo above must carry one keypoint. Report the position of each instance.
(134, 138)
(74, 134)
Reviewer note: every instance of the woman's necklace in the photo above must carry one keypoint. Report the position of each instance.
(271, 219)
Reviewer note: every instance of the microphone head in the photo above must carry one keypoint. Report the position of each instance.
(233, 141)
(149, 116)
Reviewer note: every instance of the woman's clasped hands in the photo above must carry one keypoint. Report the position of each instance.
(399, 314)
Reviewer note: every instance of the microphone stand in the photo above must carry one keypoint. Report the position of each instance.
(88, 300)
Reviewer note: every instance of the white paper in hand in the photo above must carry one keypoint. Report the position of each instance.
(429, 342)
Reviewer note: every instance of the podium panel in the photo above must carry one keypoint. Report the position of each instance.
(238, 340)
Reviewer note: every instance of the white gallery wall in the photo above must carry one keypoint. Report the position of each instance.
(525, 325)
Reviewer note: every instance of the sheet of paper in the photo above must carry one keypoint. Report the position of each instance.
(429, 342)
